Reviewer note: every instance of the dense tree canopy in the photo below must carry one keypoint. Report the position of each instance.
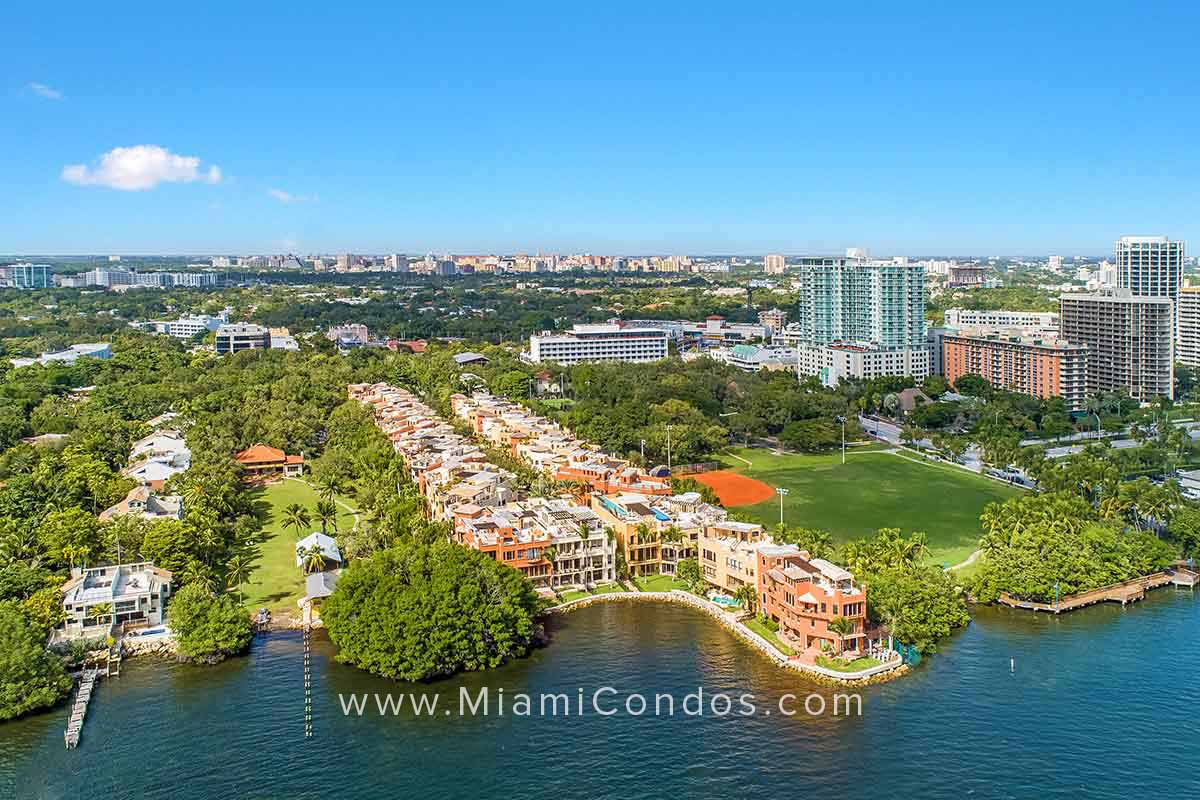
(207, 626)
(30, 676)
(1036, 541)
(418, 611)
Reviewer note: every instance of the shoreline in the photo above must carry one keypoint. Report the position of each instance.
(880, 674)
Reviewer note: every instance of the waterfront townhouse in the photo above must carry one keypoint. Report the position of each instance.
(729, 554)
(655, 533)
(555, 543)
(804, 595)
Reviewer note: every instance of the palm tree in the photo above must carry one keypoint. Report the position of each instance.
(313, 558)
(99, 611)
(891, 612)
(843, 628)
(326, 515)
(550, 554)
(747, 596)
(329, 487)
(296, 516)
(238, 572)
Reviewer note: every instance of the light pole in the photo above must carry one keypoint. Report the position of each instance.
(1097, 416)
(643, 449)
(782, 492)
(842, 420)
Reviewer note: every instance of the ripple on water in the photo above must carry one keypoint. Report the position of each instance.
(1090, 710)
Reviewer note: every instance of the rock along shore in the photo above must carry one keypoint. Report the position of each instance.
(880, 674)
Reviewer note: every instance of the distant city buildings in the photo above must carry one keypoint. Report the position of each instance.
(26, 276)
(1025, 321)
(1129, 340)
(238, 336)
(611, 342)
(774, 318)
(120, 279)
(183, 327)
(774, 264)
(969, 276)
(100, 350)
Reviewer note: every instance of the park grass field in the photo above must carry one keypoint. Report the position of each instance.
(874, 489)
(276, 582)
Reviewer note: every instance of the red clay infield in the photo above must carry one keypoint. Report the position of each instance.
(735, 489)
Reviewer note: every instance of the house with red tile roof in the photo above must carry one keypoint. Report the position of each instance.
(262, 462)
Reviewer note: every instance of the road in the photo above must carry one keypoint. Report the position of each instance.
(889, 432)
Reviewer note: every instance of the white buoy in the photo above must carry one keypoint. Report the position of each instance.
(1012, 665)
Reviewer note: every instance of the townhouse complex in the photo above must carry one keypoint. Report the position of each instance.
(611, 511)
(549, 448)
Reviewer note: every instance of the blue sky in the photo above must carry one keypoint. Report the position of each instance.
(955, 128)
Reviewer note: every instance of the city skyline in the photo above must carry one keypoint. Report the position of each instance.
(577, 130)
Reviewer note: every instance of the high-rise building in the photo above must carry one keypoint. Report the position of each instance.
(1130, 341)
(1187, 336)
(1038, 366)
(872, 312)
(1055, 263)
(1150, 266)
(774, 264)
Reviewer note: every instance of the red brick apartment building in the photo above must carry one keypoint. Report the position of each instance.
(1040, 367)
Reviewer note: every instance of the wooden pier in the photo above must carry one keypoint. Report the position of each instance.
(79, 707)
(1124, 593)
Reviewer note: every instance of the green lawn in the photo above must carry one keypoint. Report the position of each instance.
(276, 582)
(659, 583)
(756, 625)
(873, 490)
(858, 664)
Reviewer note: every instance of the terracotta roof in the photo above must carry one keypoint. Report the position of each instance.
(259, 454)
(295, 459)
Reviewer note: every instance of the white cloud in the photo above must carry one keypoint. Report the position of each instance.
(48, 92)
(140, 167)
(288, 198)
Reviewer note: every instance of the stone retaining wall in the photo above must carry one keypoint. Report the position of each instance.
(879, 674)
